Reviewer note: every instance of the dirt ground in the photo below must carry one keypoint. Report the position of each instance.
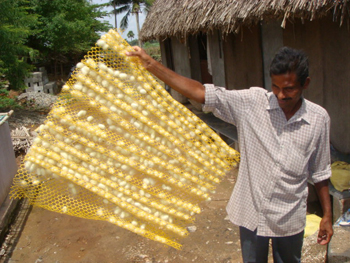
(53, 237)
(38, 235)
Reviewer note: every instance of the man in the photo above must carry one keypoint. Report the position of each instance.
(284, 142)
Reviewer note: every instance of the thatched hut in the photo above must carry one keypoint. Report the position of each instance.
(231, 43)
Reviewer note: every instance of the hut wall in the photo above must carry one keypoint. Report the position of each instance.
(271, 43)
(181, 64)
(195, 64)
(328, 48)
(243, 59)
(307, 37)
(194, 58)
(217, 58)
(166, 53)
(336, 67)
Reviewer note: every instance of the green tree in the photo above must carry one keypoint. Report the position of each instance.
(131, 7)
(16, 20)
(116, 3)
(130, 34)
(68, 29)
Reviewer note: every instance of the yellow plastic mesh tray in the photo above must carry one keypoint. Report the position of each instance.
(117, 147)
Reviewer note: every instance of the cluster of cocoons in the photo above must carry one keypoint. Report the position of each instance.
(117, 147)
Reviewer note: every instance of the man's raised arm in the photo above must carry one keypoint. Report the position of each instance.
(190, 88)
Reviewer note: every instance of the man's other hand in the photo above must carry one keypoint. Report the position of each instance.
(325, 232)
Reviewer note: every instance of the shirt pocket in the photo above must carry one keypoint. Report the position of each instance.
(295, 162)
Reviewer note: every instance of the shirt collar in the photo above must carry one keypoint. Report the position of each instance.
(300, 115)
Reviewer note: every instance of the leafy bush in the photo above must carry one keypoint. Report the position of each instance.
(16, 20)
(7, 103)
(134, 42)
(153, 49)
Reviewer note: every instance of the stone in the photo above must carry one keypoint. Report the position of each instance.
(338, 249)
(191, 229)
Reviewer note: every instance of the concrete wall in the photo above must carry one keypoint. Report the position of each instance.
(8, 166)
(243, 59)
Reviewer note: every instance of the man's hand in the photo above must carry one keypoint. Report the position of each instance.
(145, 59)
(325, 232)
(188, 87)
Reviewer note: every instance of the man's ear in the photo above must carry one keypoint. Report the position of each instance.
(307, 82)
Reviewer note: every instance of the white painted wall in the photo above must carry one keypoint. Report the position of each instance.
(8, 166)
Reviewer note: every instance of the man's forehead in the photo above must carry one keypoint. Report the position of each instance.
(289, 79)
(288, 74)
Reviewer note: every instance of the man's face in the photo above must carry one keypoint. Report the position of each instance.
(288, 90)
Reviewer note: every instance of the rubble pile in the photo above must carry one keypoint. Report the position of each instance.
(22, 139)
(38, 100)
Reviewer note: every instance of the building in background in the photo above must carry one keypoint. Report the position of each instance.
(231, 43)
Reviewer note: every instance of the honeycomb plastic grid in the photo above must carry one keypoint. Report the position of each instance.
(117, 147)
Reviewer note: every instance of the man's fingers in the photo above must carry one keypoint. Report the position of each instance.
(323, 238)
(130, 53)
(141, 54)
(136, 51)
(325, 232)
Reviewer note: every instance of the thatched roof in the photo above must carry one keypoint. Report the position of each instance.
(183, 17)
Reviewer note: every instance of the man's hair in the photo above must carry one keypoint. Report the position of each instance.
(289, 60)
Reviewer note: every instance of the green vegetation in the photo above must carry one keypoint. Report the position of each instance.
(56, 35)
(7, 103)
(152, 48)
(134, 42)
(66, 30)
(16, 25)
(37, 33)
(130, 35)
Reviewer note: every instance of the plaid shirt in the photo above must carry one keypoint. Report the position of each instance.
(277, 158)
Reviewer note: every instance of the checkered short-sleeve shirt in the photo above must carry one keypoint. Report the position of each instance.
(277, 158)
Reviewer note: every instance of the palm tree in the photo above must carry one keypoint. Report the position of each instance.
(115, 15)
(116, 3)
(131, 7)
(130, 35)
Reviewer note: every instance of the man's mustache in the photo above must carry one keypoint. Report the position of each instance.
(284, 98)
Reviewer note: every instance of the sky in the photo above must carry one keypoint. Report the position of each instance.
(132, 19)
